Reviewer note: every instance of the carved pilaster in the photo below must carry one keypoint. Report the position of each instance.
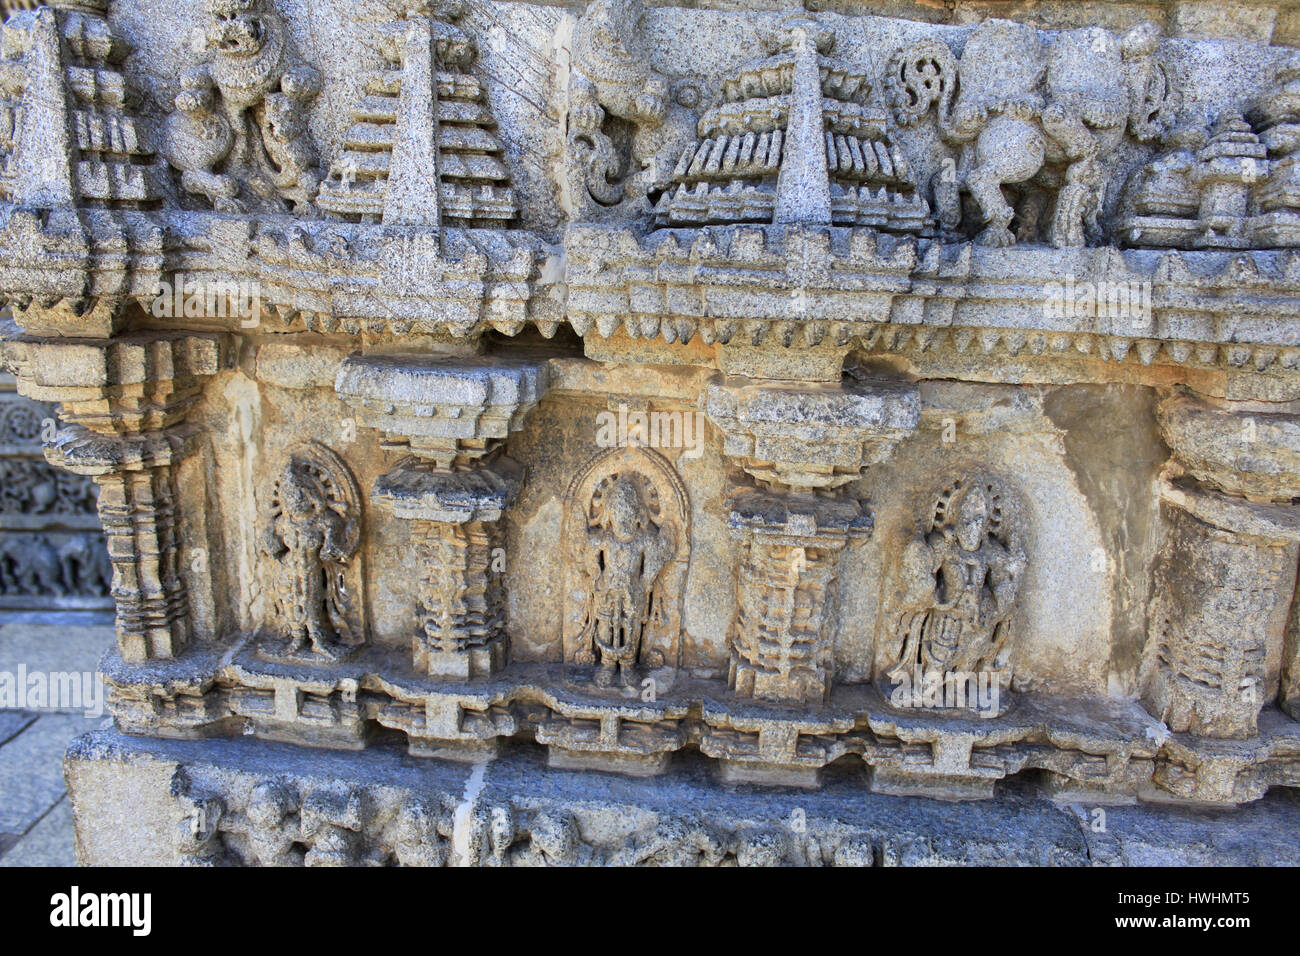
(456, 485)
(123, 404)
(1225, 576)
(782, 640)
(800, 442)
(455, 521)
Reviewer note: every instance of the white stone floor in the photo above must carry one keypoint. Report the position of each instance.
(35, 816)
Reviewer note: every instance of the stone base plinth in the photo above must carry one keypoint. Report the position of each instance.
(142, 801)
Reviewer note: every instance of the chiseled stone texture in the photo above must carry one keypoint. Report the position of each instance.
(894, 402)
(379, 809)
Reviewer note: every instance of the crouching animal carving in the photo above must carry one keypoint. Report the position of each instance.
(1019, 112)
(238, 135)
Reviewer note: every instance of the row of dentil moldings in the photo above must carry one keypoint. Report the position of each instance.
(810, 182)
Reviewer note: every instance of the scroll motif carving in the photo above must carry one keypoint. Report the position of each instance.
(627, 121)
(957, 582)
(626, 541)
(313, 536)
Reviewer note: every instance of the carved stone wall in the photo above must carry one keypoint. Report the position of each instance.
(804, 396)
(52, 556)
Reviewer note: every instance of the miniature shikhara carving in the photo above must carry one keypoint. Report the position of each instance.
(957, 585)
(1046, 119)
(239, 135)
(795, 138)
(422, 148)
(625, 540)
(313, 535)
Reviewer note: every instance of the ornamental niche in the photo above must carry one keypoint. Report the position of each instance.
(941, 350)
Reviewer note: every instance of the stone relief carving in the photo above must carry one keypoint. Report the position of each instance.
(957, 582)
(30, 486)
(313, 536)
(626, 120)
(51, 549)
(1230, 184)
(626, 540)
(795, 137)
(238, 134)
(63, 138)
(769, 254)
(1200, 193)
(401, 168)
(1045, 118)
(40, 566)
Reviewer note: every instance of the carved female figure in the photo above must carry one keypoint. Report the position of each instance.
(963, 577)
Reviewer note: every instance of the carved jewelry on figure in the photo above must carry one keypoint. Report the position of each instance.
(626, 543)
(313, 535)
(957, 587)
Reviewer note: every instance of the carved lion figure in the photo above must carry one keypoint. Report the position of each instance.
(238, 134)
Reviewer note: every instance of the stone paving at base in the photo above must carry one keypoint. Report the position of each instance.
(35, 815)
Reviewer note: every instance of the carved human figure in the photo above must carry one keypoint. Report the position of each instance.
(962, 579)
(311, 543)
(627, 551)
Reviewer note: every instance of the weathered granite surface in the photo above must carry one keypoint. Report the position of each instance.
(232, 802)
(784, 393)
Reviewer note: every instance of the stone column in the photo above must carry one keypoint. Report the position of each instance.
(452, 418)
(801, 443)
(782, 637)
(123, 405)
(1226, 574)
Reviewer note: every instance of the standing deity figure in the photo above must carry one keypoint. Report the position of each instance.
(627, 551)
(961, 581)
(312, 542)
